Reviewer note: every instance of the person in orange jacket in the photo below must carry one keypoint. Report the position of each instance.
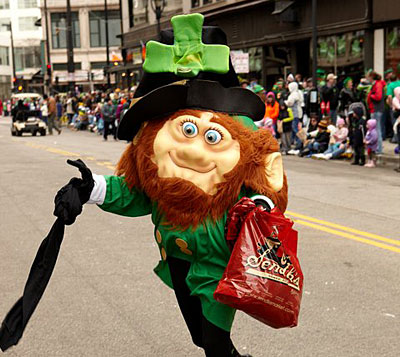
(271, 110)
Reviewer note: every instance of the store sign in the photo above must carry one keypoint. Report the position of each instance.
(240, 61)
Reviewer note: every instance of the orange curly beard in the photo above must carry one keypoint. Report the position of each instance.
(182, 203)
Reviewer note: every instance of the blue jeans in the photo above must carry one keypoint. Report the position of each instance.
(335, 150)
(378, 116)
(295, 130)
(313, 147)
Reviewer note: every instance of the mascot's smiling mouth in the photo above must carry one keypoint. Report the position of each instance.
(202, 170)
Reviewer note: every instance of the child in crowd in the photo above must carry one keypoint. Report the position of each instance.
(284, 126)
(320, 142)
(269, 125)
(271, 110)
(357, 134)
(338, 147)
(371, 140)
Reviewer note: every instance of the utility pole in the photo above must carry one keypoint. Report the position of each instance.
(70, 50)
(47, 45)
(107, 46)
(314, 42)
(13, 56)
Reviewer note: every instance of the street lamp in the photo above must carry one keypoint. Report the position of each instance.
(158, 8)
(9, 28)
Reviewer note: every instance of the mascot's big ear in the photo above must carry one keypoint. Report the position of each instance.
(274, 170)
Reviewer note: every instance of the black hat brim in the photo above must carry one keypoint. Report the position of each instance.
(194, 94)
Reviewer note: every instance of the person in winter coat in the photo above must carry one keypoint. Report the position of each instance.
(338, 147)
(295, 102)
(371, 140)
(321, 141)
(285, 119)
(330, 96)
(271, 110)
(108, 112)
(357, 134)
(346, 96)
(376, 105)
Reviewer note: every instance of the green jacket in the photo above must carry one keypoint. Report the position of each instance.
(205, 247)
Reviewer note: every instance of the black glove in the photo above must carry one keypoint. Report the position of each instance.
(70, 199)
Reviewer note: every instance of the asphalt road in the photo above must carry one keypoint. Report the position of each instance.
(104, 299)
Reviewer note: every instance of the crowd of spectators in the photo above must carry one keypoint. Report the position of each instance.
(336, 119)
(332, 121)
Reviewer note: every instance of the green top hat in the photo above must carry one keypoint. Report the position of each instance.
(180, 65)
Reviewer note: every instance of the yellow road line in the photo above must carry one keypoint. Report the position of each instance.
(344, 228)
(54, 150)
(348, 236)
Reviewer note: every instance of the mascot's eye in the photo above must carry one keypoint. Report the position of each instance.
(212, 137)
(189, 129)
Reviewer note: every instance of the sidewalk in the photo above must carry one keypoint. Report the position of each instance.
(388, 156)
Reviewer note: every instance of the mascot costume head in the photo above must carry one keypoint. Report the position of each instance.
(194, 142)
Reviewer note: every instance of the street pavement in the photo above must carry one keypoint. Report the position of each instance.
(104, 300)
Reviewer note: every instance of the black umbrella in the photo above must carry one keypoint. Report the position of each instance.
(68, 205)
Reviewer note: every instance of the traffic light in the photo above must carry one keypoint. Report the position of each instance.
(49, 70)
(14, 80)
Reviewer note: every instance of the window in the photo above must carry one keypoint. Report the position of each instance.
(4, 4)
(98, 28)
(27, 57)
(392, 55)
(4, 56)
(64, 66)
(98, 65)
(4, 22)
(27, 23)
(59, 30)
(27, 4)
(139, 14)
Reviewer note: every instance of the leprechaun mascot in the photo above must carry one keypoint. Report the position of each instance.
(194, 152)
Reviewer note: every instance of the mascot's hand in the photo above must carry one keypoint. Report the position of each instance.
(70, 199)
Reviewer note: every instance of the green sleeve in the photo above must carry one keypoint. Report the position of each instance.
(124, 201)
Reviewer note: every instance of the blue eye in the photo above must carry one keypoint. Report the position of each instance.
(189, 129)
(212, 137)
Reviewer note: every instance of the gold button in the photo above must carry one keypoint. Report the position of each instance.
(183, 246)
(158, 237)
(181, 243)
(163, 254)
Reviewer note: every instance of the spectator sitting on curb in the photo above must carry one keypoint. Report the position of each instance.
(338, 147)
(306, 134)
(320, 142)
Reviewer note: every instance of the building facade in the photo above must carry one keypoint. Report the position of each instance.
(22, 16)
(140, 26)
(89, 41)
(353, 36)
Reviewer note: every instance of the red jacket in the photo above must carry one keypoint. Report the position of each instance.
(375, 98)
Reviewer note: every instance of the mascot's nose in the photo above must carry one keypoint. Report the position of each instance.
(192, 154)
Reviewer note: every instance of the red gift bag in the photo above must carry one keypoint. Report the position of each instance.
(263, 277)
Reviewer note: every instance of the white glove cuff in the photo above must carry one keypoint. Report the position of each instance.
(99, 190)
